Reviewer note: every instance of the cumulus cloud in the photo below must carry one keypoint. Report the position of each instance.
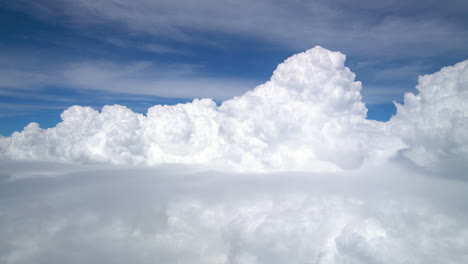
(309, 116)
(434, 122)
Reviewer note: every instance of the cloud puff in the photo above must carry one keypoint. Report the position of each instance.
(434, 122)
(308, 116)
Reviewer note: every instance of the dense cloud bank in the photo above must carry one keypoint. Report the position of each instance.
(95, 214)
(309, 116)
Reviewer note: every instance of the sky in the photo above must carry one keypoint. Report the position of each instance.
(55, 54)
(232, 132)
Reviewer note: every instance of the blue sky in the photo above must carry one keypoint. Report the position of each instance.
(55, 54)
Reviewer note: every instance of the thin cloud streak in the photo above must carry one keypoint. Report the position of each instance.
(371, 30)
(137, 78)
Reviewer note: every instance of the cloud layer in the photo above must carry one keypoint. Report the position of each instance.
(309, 116)
(173, 215)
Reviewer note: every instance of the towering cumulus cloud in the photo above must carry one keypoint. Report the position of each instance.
(434, 123)
(309, 116)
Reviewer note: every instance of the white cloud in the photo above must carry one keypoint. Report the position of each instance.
(434, 123)
(308, 116)
(128, 214)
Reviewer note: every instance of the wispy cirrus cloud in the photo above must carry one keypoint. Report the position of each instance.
(128, 77)
(396, 28)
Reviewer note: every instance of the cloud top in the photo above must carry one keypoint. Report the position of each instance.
(434, 122)
(308, 116)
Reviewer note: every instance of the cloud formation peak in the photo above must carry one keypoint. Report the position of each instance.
(434, 122)
(308, 116)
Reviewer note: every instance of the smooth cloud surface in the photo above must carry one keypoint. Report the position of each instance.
(168, 215)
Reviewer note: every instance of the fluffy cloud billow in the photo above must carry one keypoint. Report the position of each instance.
(434, 123)
(290, 172)
(309, 116)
